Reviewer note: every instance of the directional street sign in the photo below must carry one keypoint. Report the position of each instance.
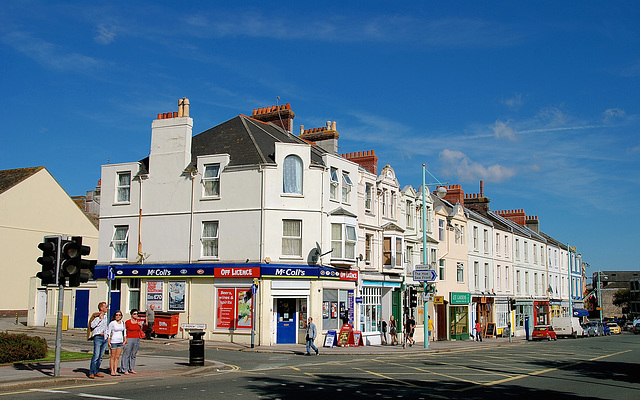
(428, 275)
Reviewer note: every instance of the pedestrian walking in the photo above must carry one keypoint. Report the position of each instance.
(134, 334)
(478, 331)
(384, 331)
(98, 324)
(150, 316)
(116, 332)
(393, 330)
(411, 325)
(312, 332)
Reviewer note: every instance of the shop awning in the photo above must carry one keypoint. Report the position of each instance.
(580, 312)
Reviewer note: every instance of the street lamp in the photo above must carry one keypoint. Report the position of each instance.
(441, 191)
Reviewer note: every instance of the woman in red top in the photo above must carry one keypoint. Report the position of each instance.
(134, 334)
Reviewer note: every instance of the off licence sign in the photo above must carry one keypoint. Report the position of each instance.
(428, 275)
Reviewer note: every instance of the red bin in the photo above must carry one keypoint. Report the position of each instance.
(166, 323)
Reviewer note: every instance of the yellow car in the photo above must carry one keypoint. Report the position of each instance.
(615, 328)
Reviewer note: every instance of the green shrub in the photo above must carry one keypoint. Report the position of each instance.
(18, 347)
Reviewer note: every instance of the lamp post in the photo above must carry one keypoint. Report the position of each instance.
(441, 192)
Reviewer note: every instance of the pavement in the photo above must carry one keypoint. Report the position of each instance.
(41, 374)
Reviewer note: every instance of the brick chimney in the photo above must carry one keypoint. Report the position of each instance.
(518, 216)
(281, 116)
(477, 201)
(366, 159)
(325, 137)
(533, 223)
(455, 194)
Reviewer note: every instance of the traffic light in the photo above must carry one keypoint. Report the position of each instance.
(413, 297)
(50, 261)
(72, 265)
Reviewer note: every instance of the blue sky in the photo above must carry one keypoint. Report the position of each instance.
(539, 99)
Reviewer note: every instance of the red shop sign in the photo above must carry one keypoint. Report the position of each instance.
(237, 272)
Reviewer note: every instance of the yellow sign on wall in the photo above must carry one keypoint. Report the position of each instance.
(438, 300)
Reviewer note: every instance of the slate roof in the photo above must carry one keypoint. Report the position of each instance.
(247, 141)
(11, 177)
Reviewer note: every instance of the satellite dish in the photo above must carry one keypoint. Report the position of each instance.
(314, 255)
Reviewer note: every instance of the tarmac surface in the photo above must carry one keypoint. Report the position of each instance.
(41, 374)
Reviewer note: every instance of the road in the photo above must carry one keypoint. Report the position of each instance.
(589, 368)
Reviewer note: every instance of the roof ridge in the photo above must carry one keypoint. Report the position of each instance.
(243, 119)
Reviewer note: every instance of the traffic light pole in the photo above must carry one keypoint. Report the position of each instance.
(56, 367)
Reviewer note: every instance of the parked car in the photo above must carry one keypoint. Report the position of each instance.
(614, 328)
(597, 327)
(628, 326)
(636, 328)
(541, 332)
(588, 330)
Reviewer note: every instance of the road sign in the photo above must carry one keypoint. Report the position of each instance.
(427, 297)
(428, 275)
(423, 267)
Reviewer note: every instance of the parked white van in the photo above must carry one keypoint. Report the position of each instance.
(567, 326)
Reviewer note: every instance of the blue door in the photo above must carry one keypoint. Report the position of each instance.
(286, 309)
(81, 313)
(115, 304)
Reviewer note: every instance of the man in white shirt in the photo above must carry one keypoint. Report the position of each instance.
(98, 325)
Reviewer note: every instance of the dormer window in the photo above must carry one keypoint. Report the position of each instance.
(292, 175)
(211, 180)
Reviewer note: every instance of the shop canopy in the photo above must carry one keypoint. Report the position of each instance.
(580, 312)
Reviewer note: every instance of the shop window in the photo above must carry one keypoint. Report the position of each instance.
(233, 308)
(371, 309)
(336, 309)
(134, 293)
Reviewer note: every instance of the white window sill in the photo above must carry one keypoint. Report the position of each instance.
(122, 203)
(295, 195)
(289, 257)
(208, 198)
(209, 258)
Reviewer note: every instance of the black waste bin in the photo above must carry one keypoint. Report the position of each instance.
(196, 349)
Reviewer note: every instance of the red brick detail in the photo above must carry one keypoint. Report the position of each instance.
(280, 115)
(518, 216)
(455, 194)
(366, 159)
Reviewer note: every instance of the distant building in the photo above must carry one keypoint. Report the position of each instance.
(610, 283)
(34, 205)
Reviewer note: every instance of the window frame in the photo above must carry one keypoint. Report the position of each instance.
(292, 239)
(290, 186)
(368, 197)
(460, 272)
(214, 181)
(347, 187)
(213, 239)
(120, 242)
(334, 184)
(123, 188)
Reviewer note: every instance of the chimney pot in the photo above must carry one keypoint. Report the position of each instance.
(301, 129)
(175, 114)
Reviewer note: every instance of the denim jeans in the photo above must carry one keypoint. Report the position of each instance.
(129, 355)
(99, 346)
(311, 345)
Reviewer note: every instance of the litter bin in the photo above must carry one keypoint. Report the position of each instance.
(166, 323)
(196, 349)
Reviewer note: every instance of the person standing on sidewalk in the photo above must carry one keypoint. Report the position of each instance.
(116, 332)
(384, 331)
(393, 330)
(312, 332)
(430, 327)
(478, 331)
(411, 328)
(98, 324)
(150, 316)
(134, 334)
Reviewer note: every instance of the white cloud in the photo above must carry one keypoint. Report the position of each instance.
(459, 164)
(105, 34)
(553, 116)
(503, 130)
(514, 102)
(612, 114)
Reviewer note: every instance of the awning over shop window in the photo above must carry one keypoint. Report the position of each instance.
(580, 312)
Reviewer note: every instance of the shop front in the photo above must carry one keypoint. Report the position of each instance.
(459, 315)
(541, 312)
(484, 312)
(379, 300)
